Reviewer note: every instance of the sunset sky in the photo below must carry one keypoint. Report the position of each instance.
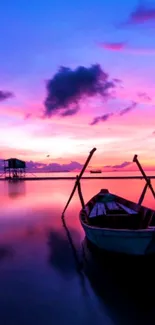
(53, 115)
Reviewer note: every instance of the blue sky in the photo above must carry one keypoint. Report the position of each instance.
(37, 38)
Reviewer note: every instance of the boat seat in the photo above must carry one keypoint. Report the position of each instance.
(114, 221)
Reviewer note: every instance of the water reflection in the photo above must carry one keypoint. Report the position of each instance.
(60, 253)
(125, 285)
(40, 284)
(16, 188)
(5, 252)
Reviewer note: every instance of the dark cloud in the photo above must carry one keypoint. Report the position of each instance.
(52, 167)
(143, 13)
(124, 164)
(68, 87)
(71, 111)
(102, 118)
(144, 96)
(127, 109)
(31, 165)
(153, 133)
(5, 95)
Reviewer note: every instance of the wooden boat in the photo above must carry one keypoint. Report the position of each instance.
(115, 224)
(97, 171)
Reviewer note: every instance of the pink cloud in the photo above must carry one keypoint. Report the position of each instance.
(26, 111)
(77, 127)
(141, 14)
(144, 96)
(113, 46)
(125, 48)
(7, 152)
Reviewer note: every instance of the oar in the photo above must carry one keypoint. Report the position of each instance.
(135, 159)
(79, 177)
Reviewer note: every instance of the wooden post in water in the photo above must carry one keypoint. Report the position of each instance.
(78, 179)
(82, 200)
(80, 193)
(143, 194)
(148, 182)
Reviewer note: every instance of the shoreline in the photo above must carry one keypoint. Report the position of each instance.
(74, 178)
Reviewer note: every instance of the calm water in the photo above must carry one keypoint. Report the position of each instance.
(39, 282)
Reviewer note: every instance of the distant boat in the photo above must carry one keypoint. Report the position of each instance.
(115, 224)
(97, 171)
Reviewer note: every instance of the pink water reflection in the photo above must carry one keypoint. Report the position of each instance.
(31, 208)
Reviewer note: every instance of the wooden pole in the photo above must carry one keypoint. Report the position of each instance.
(86, 163)
(80, 193)
(82, 200)
(143, 194)
(79, 177)
(135, 159)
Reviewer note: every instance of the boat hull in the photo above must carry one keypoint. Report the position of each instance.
(131, 242)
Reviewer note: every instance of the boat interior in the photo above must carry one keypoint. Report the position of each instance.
(106, 210)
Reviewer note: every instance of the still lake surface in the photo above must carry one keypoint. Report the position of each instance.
(39, 281)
